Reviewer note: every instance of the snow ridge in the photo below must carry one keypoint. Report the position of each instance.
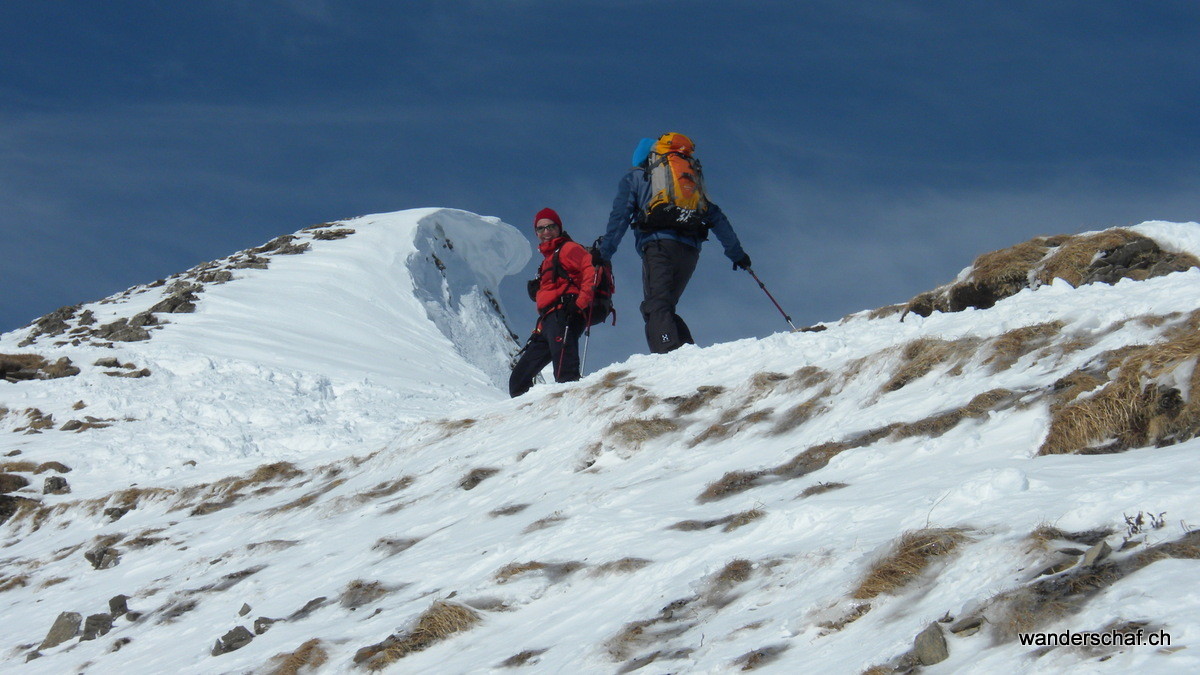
(708, 510)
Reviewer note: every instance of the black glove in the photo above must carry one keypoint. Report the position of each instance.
(742, 262)
(568, 303)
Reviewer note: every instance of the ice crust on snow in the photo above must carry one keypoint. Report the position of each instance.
(564, 541)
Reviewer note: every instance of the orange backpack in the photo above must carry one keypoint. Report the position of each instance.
(677, 199)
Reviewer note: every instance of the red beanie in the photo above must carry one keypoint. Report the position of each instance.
(548, 214)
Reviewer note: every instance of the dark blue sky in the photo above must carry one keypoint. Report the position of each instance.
(864, 151)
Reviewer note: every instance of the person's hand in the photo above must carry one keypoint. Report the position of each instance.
(742, 262)
(569, 303)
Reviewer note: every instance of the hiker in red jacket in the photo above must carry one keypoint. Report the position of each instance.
(563, 292)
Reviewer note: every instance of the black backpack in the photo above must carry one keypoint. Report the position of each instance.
(602, 291)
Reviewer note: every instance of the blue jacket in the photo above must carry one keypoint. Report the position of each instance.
(632, 195)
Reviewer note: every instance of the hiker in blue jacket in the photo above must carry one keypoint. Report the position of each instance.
(669, 254)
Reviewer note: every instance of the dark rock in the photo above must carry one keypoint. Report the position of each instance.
(178, 303)
(1096, 554)
(930, 646)
(60, 368)
(10, 504)
(121, 331)
(340, 233)
(103, 558)
(968, 626)
(116, 647)
(116, 512)
(262, 624)
(71, 425)
(232, 641)
(308, 608)
(11, 482)
(1060, 566)
(96, 625)
(65, 627)
(107, 362)
(56, 485)
(118, 605)
(142, 319)
(215, 277)
(244, 610)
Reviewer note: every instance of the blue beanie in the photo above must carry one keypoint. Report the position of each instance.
(642, 151)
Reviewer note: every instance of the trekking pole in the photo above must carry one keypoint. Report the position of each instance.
(562, 350)
(764, 287)
(587, 338)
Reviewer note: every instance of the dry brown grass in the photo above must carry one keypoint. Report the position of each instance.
(359, 592)
(1045, 535)
(623, 566)
(1079, 259)
(853, 614)
(912, 553)
(760, 656)
(521, 659)
(978, 407)
(553, 571)
(800, 414)
(308, 499)
(638, 634)
(18, 467)
(921, 356)
(730, 522)
(821, 488)
(1007, 349)
(387, 488)
(686, 405)
(310, 655)
(735, 572)
(441, 621)
(1070, 261)
(730, 484)
(634, 432)
(544, 523)
(1007, 270)
(1049, 599)
(506, 573)
(477, 476)
(1132, 410)
(16, 581)
(510, 510)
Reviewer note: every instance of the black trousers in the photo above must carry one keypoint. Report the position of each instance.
(555, 342)
(667, 266)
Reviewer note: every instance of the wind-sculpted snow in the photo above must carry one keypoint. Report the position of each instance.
(807, 502)
(335, 336)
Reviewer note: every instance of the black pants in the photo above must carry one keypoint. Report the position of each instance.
(667, 266)
(556, 343)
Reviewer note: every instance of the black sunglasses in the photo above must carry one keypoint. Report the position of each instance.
(541, 228)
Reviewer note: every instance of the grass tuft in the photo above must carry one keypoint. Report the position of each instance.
(908, 558)
(310, 655)
(441, 621)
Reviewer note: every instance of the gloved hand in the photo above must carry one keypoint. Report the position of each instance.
(742, 262)
(569, 301)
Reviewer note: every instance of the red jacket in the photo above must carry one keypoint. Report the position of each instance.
(581, 276)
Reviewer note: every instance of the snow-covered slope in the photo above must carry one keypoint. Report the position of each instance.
(335, 336)
(733, 507)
